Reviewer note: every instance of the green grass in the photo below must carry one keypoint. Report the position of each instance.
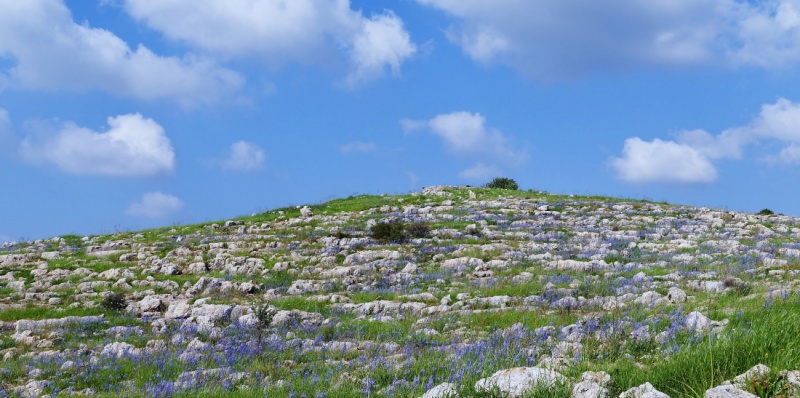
(768, 335)
(36, 313)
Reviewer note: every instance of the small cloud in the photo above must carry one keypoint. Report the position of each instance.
(382, 43)
(480, 172)
(412, 126)
(466, 133)
(155, 205)
(413, 180)
(358, 147)
(790, 155)
(244, 156)
(133, 146)
(662, 161)
(8, 140)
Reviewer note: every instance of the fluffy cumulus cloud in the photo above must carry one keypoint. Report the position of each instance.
(689, 158)
(155, 205)
(279, 31)
(133, 146)
(358, 147)
(466, 135)
(244, 156)
(49, 51)
(381, 44)
(562, 39)
(663, 161)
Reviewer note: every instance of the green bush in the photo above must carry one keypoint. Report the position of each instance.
(394, 231)
(418, 230)
(503, 183)
(766, 212)
(114, 302)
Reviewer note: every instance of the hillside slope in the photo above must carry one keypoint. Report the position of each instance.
(309, 301)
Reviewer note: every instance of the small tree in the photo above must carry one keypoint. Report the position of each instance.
(765, 212)
(503, 183)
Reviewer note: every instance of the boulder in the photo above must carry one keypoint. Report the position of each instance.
(516, 382)
(444, 390)
(645, 390)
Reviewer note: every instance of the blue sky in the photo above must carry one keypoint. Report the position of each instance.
(128, 114)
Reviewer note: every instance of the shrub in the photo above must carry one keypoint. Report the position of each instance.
(503, 183)
(394, 231)
(418, 230)
(114, 302)
(765, 212)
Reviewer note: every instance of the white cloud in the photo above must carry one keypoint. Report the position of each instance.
(279, 32)
(382, 43)
(563, 39)
(358, 147)
(412, 126)
(790, 155)
(49, 51)
(780, 120)
(244, 156)
(480, 172)
(769, 33)
(662, 161)
(689, 158)
(466, 133)
(8, 140)
(155, 205)
(727, 145)
(133, 146)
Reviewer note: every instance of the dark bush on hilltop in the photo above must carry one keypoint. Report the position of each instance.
(503, 183)
(114, 302)
(765, 212)
(394, 231)
(418, 230)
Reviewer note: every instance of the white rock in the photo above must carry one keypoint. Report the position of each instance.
(676, 295)
(592, 385)
(756, 372)
(645, 390)
(178, 309)
(701, 323)
(515, 382)
(727, 391)
(444, 390)
(119, 350)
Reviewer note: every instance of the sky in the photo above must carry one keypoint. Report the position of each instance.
(120, 115)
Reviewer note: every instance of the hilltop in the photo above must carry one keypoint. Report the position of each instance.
(452, 291)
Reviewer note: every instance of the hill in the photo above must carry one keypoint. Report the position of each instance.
(498, 292)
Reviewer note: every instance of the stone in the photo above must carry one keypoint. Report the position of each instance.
(645, 390)
(178, 309)
(592, 385)
(305, 212)
(727, 391)
(444, 390)
(676, 295)
(756, 372)
(702, 324)
(119, 350)
(515, 382)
